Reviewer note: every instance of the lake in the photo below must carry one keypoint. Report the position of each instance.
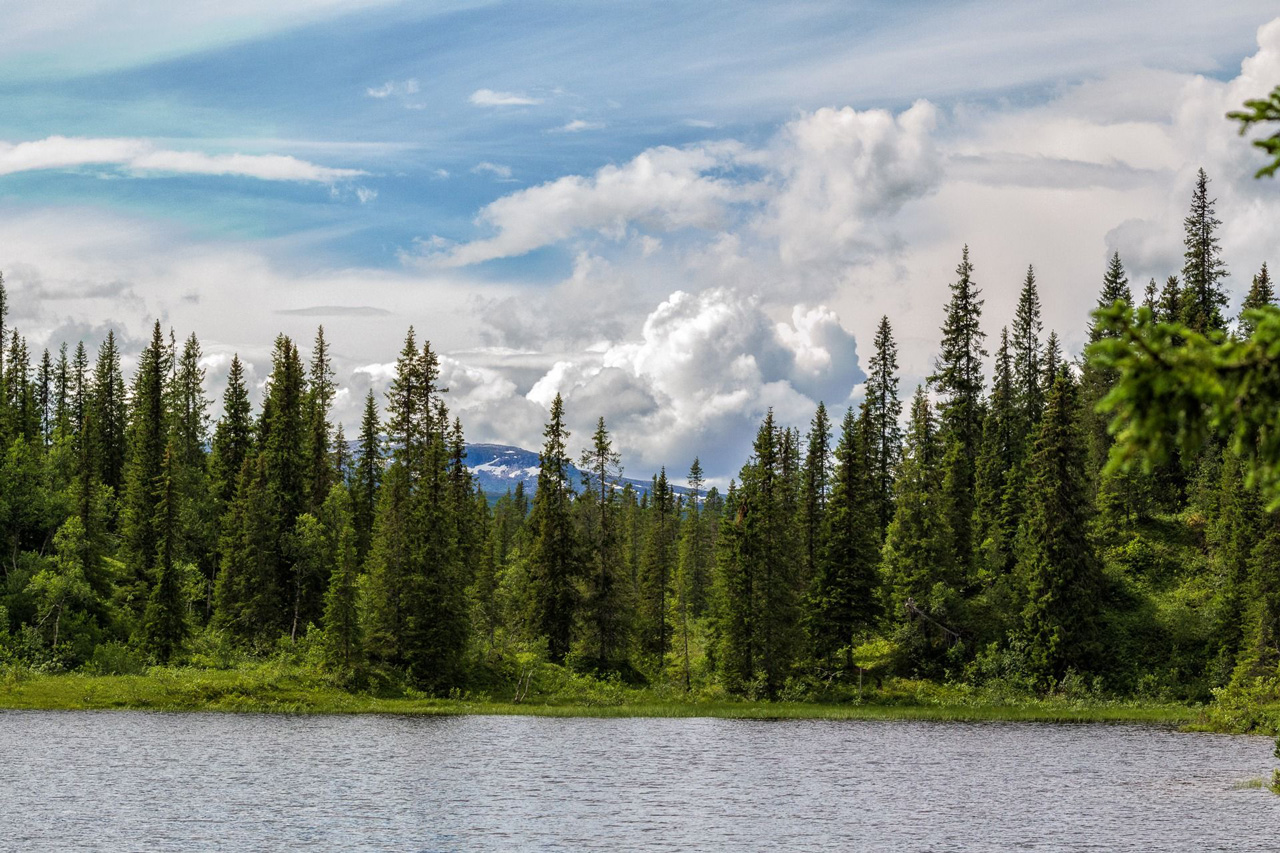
(122, 781)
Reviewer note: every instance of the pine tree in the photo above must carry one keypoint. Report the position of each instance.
(367, 477)
(341, 621)
(147, 440)
(657, 570)
(816, 485)
(758, 622)
(691, 578)
(232, 437)
(1028, 359)
(1096, 381)
(884, 409)
(1062, 573)
(958, 377)
(165, 623)
(554, 562)
(1203, 268)
(319, 401)
(1261, 294)
(110, 415)
(44, 397)
(1053, 360)
(282, 449)
(999, 463)
(248, 598)
(844, 600)
(918, 546)
(606, 605)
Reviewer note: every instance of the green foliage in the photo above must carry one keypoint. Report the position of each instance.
(1257, 111)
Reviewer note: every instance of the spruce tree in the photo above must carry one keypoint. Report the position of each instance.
(1057, 560)
(165, 620)
(844, 600)
(1000, 463)
(147, 439)
(816, 484)
(884, 409)
(232, 436)
(1203, 268)
(657, 570)
(110, 415)
(1027, 353)
(367, 477)
(958, 377)
(918, 547)
(606, 605)
(1096, 381)
(758, 623)
(554, 560)
(319, 401)
(341, 621)
(1261, 294)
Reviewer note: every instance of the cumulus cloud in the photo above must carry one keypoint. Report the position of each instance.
(702, 372)
(662, 188)
(843, 173)
(490, 98)
(140, 156)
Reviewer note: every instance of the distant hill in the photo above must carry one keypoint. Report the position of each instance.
(498, 467)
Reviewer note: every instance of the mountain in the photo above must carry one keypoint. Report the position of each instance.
(498, 467)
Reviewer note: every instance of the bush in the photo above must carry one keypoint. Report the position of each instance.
(115, 659)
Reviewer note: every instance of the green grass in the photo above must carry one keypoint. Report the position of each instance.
(279, 690)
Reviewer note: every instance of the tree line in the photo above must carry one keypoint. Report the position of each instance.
(998, 534)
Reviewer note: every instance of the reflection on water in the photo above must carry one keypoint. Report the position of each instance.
(116, 781)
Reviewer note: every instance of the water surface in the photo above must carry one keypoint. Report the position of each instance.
(121, 781)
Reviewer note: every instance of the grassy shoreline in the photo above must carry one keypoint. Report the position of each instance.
(238, 691)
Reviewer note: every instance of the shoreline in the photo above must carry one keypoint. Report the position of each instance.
(231, 692)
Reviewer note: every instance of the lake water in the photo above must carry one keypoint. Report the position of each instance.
(123, 781)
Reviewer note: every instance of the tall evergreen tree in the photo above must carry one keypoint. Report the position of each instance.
(758, 620)
(958, 377)
(1027, 352)
(1061, 570)
(554, 562)
(606, 605)
(147, 438)
(1261, 294)
(1203, 268)
(165, 620)
(817, 476)
(884, 409)
(657, 570)
(1000, 464)
(844, 599)
(319, 401)
(366, 477)
(232, 437)
(110, 414)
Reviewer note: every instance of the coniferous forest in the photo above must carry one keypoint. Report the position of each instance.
(1026, 519)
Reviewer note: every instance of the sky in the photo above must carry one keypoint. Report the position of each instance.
(675, 215)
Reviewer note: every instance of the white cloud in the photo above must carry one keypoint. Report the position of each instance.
(663, 188)
(141, 156)
(496, 169)
(394, 87)
(365, 194)
(578, 125)
(490, 98)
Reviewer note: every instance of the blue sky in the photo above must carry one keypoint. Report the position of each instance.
(563, 194)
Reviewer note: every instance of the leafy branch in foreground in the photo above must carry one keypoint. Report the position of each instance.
(1258, 110)
(1178, 388)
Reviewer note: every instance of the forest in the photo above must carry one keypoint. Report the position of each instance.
(1099, 524)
